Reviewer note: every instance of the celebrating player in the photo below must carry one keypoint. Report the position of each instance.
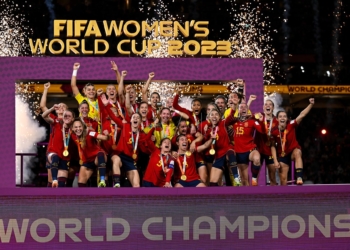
(288, 148)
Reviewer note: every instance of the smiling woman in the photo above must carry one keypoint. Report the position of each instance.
(89, 95)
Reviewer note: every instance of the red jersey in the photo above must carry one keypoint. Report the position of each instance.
(56, 144)
(154, 171)
(90, 123)
(127, 140)
(222, 143)
(114, 133)
(191, 167)
(89, 151)
(263, 141)
(244, 135)
(290, 138)
(202, 126)
(152, 113)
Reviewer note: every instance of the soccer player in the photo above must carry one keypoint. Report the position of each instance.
(203, 127)
(244, 146)
(221, 148)
(263, 141)
(185, 171)
(126, 152)
(161, 165)
(90, 153)
(57, 152)
(193, 141)
(89, 95)
(287, 148)
(154, 98)
(59, 116)
(167, 127)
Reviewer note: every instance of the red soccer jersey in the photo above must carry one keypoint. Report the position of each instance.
(291, 140)
(114, 133)
(222, 143)
(261, 140)
(152, 113)
(191, 170)
(127, 140)
(90, 123)
(154, 172)
(90, 150)
(56, 144)
(203, 126)
(244, 135)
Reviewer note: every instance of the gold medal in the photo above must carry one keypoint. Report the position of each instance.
(81, 162)
(183, 177)
(65, 152)
(114, 147)
(257, 116)
(212, 151)
(134, 156)
(188, 153)
(283, 154)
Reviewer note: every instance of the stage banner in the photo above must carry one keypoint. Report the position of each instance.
(171, 219)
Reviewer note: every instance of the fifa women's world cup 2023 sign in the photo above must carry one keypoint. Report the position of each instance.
(89, 37)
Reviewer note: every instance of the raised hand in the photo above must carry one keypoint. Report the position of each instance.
(252, 97)
(114, 66)
(151, 75)
(312, 101)
(76, 66)
(47, 85)
(104, 100)
(99, 92)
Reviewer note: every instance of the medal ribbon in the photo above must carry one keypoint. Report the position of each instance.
(119, 109)
(216, 132)
(283, 142)
(65, 140)
(195, 119)
(184, 163)
(80, 150)
(134, 144)
(114, 131)
(133, 110)
(166, 163)
(268, 129)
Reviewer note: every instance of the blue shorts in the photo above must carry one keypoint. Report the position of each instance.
(189, 183)
(128, 163)
(147, 184)
(267, 158)
(243, 158)
(90, 165)
(220, 163)
(287, 159)
(200, 164)
(208, 158)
